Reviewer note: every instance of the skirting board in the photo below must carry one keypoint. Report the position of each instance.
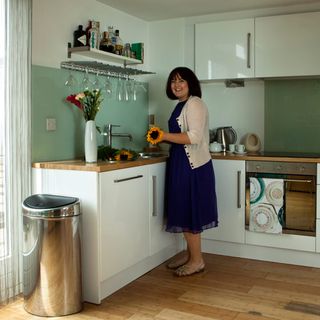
(296, 257)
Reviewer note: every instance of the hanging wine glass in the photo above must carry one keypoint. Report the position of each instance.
(96, 82)
(120, 90)
(127, 89)
(108, 86)
(71, 80)
(134, 90)
(85, 83)
(141, 87)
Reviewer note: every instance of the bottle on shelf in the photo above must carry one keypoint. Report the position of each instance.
(104, 43)
(127, 50)
(113, 40)
(79, 37)
(119, 43)
(93, 34)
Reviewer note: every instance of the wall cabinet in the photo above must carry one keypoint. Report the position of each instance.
(224, 49)
(230, 188)
(287, 45)
(122, 218)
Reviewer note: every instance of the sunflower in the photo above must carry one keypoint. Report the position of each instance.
(124, 154)
(154, 135)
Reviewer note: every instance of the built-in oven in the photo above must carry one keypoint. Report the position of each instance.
(281, 197)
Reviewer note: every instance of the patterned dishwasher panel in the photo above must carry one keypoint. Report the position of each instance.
(266, 205)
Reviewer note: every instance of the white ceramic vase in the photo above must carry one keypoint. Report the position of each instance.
(90, 142)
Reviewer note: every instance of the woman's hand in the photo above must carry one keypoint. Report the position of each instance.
(179, 138)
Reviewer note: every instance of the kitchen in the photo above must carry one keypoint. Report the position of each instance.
(257, 107)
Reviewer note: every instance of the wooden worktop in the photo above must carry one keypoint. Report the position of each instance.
(100, 166)
(257, 157)
(103, 166)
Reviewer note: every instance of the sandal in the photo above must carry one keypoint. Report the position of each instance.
(178, 262)
(186, 270)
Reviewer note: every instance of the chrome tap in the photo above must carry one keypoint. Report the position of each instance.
(108, 134)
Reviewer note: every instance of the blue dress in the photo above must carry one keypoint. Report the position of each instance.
(191, 202)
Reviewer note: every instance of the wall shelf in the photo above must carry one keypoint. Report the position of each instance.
(99, 67)
(102, 55)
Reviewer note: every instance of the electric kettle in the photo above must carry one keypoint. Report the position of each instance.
(225, 136)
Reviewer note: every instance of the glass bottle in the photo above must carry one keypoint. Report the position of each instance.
(127, 50)
(119, 43)
(104, 43)
(79, 37)
(112, 40)
(94, 34)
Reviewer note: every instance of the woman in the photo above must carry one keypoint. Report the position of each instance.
(191, 196)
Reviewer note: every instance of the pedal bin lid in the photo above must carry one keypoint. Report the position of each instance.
(50, 206)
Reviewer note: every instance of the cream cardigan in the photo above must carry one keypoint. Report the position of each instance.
(193, 120)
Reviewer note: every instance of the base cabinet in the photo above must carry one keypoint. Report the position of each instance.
(124, 225)
(122, 221)
(230, 188)
(159, 238)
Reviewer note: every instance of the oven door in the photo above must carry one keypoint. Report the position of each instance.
(298, 213)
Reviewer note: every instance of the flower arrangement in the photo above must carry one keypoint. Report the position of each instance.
(88, 102)
(154, 135)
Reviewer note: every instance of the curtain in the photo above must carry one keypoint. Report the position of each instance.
(16, 139)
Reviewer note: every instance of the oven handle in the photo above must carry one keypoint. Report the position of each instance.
(238, 189)
(297, 180)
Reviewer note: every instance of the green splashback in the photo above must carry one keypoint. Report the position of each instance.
(48, 101)
(292, 115)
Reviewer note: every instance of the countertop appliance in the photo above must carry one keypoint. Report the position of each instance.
(225, 136)
(298, 213)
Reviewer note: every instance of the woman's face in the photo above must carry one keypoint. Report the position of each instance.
(180, 88)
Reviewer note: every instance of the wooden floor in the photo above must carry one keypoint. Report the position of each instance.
(229, 289)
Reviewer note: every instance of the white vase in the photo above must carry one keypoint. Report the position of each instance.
(90, 142)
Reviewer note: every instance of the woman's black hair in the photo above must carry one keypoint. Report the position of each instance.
(187, 75)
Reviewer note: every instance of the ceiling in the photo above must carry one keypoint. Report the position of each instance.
(152, 10)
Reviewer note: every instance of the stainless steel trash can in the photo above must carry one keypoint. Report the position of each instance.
(51, 255)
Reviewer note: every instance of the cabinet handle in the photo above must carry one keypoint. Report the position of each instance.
(129, 178)
(297, 180)
(248, 50)
(154, 196)
(239, 189)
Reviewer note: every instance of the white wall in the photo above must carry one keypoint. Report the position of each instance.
(55, 21)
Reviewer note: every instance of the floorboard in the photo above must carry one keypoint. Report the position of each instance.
(229, 289)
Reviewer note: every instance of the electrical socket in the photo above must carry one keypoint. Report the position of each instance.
(51, 124)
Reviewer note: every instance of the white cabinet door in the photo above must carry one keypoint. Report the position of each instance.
(224, 49)
(287, 45)
(159, 238)
(230, 188)
(124, 223)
